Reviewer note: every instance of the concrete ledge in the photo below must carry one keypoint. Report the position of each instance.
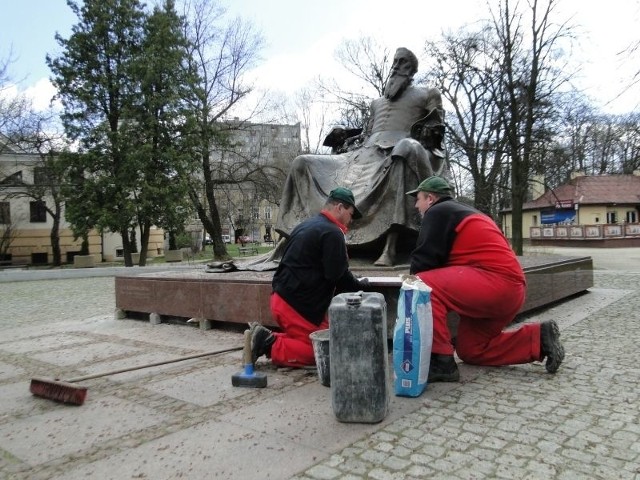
(173, 256)
(551, 278)
(84, 261)
(243, 296)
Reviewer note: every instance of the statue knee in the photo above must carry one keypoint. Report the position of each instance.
(299, 164)
(408, 148)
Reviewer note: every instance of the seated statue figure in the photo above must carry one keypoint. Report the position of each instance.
(400, 146)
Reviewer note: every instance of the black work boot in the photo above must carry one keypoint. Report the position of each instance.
(550, 346)
(443, 368)
(261, 341)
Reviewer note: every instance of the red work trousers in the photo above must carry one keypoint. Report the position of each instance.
(292, 347)
(486, 303)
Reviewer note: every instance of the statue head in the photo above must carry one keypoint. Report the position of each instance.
(405, 65)
(404, 62)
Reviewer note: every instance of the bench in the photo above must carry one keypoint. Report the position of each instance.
(248, 250)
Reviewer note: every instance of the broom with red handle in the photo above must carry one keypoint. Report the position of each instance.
(66, 391)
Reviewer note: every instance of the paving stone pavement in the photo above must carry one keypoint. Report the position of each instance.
(185, 420)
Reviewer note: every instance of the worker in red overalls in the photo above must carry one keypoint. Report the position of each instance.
(467, 261)
(314, 268)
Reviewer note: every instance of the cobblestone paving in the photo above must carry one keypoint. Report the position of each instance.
(518, 422)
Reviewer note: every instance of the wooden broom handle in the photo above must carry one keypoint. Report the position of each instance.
(163, 362)
(247, 358)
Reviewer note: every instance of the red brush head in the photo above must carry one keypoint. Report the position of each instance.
(58, 391)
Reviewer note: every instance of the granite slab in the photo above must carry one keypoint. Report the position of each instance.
(243, 296)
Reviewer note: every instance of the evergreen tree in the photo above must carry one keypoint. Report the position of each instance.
(160, 125)
(119, 80)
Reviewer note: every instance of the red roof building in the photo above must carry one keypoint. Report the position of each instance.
(603, 210)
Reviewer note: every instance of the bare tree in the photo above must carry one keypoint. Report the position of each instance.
(31, 132)
(629, 56)
(531, 75)
(467, 76)
(312, 110)
(588, 141)
(370, 63)
(612, 143)
(577, 118)
(629, 136)
(220, 54)
(34, 133)
(12, 107)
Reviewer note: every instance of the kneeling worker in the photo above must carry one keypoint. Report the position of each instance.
(314, 268)
(467, 261)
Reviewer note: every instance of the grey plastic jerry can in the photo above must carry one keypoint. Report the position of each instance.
(359, 357)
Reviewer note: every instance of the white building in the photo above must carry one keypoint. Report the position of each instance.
(25, 225)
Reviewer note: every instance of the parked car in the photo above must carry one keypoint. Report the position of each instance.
(225, 239)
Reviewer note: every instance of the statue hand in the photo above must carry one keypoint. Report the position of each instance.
(352, 143)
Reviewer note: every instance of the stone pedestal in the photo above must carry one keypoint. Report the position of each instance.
(243, 296)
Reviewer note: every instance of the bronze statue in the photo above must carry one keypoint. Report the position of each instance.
(400, 146)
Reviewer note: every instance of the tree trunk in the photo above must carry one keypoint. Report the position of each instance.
(144, 242)
(126, 247)
(55, 240)
(172, 241)
(519, 186)
(84, 246)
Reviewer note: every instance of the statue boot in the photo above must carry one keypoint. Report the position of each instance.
(387, 259)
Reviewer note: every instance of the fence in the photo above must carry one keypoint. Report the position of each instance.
(585, 232)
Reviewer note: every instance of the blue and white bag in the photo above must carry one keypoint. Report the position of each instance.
(412, 338)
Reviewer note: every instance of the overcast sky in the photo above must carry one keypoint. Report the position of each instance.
(301, 36)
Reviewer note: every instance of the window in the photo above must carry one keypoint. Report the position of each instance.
(535, 221)
(267, 212)
(40, 176)
(37, 212)
(5, 213)
(13, 179)
(612, 217)
(632, 216)
(39, 258)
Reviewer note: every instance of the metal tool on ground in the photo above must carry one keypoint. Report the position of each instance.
(67, 391)
(248, 378)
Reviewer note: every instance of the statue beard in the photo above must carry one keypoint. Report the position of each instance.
(396, 85)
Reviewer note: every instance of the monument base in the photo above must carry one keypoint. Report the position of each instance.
(243, 296)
